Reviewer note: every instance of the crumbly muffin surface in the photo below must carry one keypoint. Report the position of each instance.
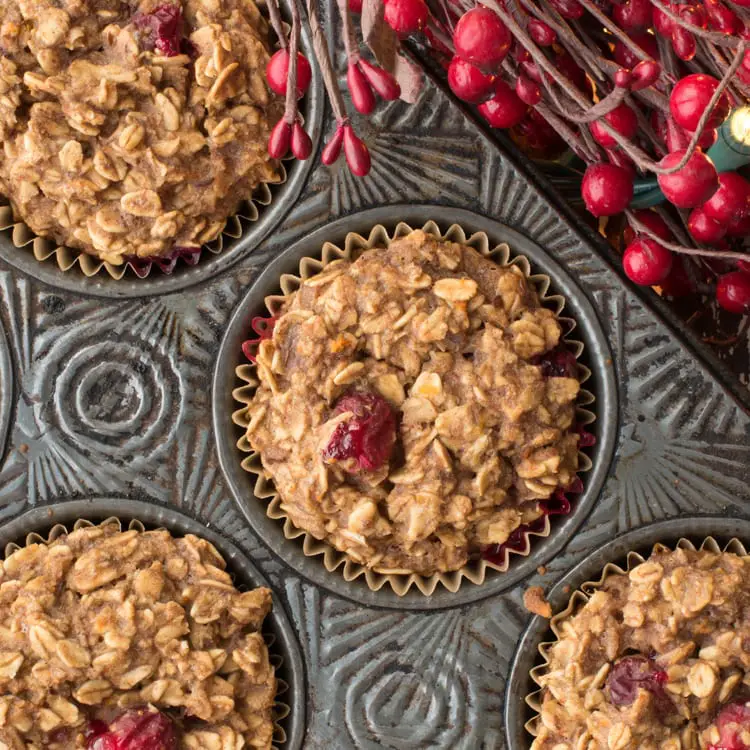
(451, 341)
(658, 659)
(100, 621)
(132, 128)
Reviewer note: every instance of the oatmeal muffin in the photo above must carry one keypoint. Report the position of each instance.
(415, 406)
(131, 640)
(658, 659)
(132, 129)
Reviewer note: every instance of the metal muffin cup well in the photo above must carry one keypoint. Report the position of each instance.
(258, 214)
(234, 375)
(523, 693)
(47, 523)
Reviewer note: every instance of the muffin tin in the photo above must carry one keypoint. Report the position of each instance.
(113, 398)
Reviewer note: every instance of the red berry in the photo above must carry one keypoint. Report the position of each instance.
(645, 74)
(482, 39)
(528, 91)
(653, 221)
(632, 673)
(622, 119)
(663, 24)
(139, 729)
(277, 72)
(623, 78)
(468, 83)
(568, 8)
(739, 227)
(280, 139)
(690, 97)
(537, 138)
(505, 109)
(160, 30)
(363, 97)
(301, 144)
(356, 152)
(707, 139)
(627, 58)
(704, 228)
(365, 440)
(607, 189)
(678, 283)
(731, 201)
(406, 16)
(721, 18)
(733, 292)
(683, 43)
(565, 63)
(355, 6)
(693, 14)
(385, 85)
(692, 185)
(633, 15)
(541, 33)
(332, 149)
(646, 262)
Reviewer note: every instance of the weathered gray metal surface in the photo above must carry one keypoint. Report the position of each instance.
(113, 398)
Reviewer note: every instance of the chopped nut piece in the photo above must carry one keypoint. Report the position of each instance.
(534, 601)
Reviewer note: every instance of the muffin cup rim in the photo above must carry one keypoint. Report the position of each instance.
(353, 245)
(284, 652)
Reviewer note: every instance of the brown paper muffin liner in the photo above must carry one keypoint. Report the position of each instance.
(333, 559)
(582, 595)
(280, 709)
(67, 258)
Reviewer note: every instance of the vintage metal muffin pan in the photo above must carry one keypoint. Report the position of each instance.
(111, 397)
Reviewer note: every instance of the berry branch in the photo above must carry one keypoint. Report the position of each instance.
(637, 90)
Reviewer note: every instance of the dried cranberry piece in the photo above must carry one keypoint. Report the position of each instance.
(162, 30)
(732, 721)
(367, 436)
(558, 363)
(139, 729)
(632, 673)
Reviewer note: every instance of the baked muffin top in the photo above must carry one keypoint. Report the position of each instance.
(101, 629)
(132, 129)
(404, 410)
(658, 659)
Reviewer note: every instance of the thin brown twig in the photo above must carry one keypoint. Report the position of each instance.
(276, 22)
(641, 228)
(291, 103)
(323, 56)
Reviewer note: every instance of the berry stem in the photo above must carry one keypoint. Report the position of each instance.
(350, 39)
(323, 56)
(291, 103)
(277, 23)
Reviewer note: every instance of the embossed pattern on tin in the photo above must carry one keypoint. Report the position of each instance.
(368, 683)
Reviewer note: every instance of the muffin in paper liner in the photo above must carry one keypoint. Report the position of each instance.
(279, 711)
(583, 594)
(264, 490)
(44, 249)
